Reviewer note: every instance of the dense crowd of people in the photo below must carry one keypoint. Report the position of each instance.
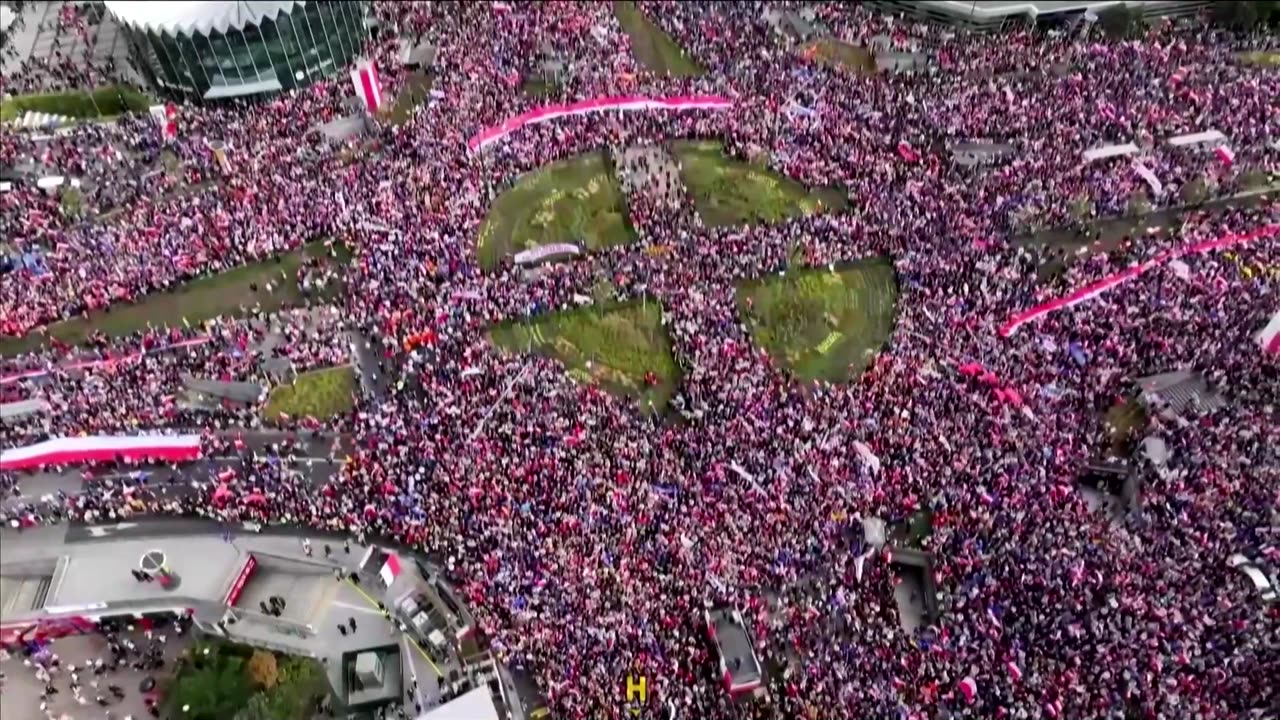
(588, 534)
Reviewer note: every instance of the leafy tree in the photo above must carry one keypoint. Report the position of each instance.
(1246, 15)
(1139, 203)
(215, 690)
(72, 202)
(1195, 191)
(1081, 207)
(1118, 21)
(262, 669)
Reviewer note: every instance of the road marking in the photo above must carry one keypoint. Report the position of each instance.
(100, 531)
(413, 673)
(357, 608)
(374, 603)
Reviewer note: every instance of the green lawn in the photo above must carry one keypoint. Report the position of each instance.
(539, 87)
(80, 104)
(652, 46)
(576, 200)
(320, 394)
(219, 681)
(195, 301)
(1266, 58)
(830, 51)
(731, 192)
(822, 325)
(416, 89)
(614, 346)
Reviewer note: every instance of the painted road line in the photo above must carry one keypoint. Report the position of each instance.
(357, 608)
(374, 604)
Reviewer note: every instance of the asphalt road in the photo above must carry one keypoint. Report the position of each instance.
(161, 478)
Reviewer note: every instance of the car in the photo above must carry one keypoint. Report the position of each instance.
(740, 668)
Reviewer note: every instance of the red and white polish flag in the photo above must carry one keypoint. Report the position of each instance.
(365, 78)
(166, 116)
(1269, 337)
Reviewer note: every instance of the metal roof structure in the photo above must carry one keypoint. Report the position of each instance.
(196, 18)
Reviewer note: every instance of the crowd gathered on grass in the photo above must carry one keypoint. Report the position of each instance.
(589, 533)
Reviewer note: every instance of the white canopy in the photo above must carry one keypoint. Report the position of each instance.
(1201, 138)
(23, 408)
(1108, 151)
(190, 18)
(475, 705)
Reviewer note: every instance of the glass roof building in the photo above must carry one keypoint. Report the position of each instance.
(208, 51)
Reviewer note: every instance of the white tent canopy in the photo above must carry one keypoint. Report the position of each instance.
(1110, 151)
(1208, 137)
(24, 408)
(475, 705)
(190, 18)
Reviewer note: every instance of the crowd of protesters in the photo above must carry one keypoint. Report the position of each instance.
(589, 534)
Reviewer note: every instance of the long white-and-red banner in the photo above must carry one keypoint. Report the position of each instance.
(1095, 289)
(596, 105)
(101, 448)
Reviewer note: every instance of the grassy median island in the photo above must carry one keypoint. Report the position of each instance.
(572, 201)
(623, 347)
(728, 191)
(820, 324)
(78, 104)
(652, 46)
(320, 394)
(228, 293)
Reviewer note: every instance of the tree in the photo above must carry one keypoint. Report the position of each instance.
(1081, 207)
(215, 690)
(262, 669)
(1195, 191)
(1246, 15)
(1118, 21)
(1139, 204)
(1236, 14)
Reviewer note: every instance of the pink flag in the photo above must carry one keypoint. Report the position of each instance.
(1225, 154)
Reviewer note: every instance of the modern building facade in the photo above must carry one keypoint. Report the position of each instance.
(209, 51)
(995, 14)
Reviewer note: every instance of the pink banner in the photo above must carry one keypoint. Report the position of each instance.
(90, 364)
(102, 448)
(1094, 290)
(588, 107)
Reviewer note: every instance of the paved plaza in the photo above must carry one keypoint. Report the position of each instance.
(20, 698)
(326, 614)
